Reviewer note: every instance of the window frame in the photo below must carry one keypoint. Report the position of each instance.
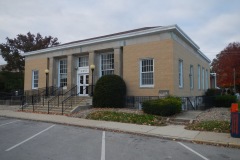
(59, 72)
(33, 79)
(111, 65)
(180, 73)
(199, 77)
(203, 78)
(191, 75)
(207, 81)
(85, 61)
(141, 73)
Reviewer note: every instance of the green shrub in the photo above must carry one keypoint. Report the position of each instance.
(110, 91)
(213, 92)
(164, 107)
(225, 100)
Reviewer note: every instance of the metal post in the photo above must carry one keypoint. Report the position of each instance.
(46, 84)
(32, 103)
(62, 108)
(48, 107)
(92, 84)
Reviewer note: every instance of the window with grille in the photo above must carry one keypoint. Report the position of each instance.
(107, 64)
(180, 73)
(35, 79)
(146, 73)
(83, 61)
(62, 72)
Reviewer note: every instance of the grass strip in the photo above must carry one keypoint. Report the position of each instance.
(213, 126)
(143, 119)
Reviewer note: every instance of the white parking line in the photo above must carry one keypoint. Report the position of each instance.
(190, 149)
(28, 139)
(103, 146)
(9, 123)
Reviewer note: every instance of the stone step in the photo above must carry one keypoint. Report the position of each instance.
(179, 121)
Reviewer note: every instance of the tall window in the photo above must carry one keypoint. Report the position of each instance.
(206, 79)
(62, 72)
(191, 76)
(146, 72)
(83, 61)
(35, 79)
(180, 73)
(203, 78)
(107, 63)
(199, 77)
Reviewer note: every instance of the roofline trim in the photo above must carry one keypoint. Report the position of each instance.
(121, 36)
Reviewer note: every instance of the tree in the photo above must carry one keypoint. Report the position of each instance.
(226, 63)
(13, 48)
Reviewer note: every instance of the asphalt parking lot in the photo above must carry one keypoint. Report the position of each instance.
(27, 140)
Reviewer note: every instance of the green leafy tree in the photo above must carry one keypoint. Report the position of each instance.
(12, 50)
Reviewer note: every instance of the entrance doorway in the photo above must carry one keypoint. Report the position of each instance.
(83, 84)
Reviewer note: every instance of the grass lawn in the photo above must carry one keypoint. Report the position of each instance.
(144, 119)
(212, 126)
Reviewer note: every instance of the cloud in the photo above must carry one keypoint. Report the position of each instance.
(211, 24)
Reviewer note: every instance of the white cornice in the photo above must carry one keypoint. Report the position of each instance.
(121, 36)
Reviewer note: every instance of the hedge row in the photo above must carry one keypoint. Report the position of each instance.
(164, 107)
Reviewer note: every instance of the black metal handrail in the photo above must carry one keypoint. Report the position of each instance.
(34, 98)
(70, 98)
(57, 96)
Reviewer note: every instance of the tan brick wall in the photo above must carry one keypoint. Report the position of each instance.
(35, 64)
(161, 52)
(189, 58)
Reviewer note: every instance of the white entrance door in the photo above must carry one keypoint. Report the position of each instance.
(83, 83)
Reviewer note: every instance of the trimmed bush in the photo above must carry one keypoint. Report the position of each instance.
(225, 101)
(164, 107)
(110, 91)
(213, 92)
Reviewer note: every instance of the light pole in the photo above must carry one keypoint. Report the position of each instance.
(92, 67)
(46, 72)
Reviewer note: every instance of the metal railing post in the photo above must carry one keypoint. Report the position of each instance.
(62, 108)
(32, 103)
(48, 107)
(58, 100)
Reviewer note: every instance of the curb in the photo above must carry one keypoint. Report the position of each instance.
(213, 143)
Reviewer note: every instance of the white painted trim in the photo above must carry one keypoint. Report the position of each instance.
(192, 77)
(33, 78)
(140, 73)
(59, 70)
(199, 77)
(100, 61)
(203, 78)
(180, 61)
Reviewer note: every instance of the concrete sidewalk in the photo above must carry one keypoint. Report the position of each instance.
(176, 132)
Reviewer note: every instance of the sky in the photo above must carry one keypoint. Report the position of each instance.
(211, 24)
